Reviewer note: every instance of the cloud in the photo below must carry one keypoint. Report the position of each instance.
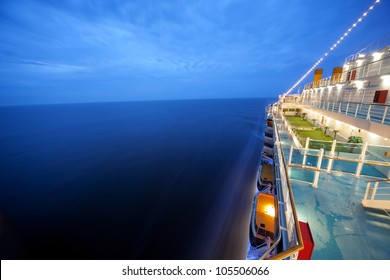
(198, 41)
(55, 68)
(143, 37)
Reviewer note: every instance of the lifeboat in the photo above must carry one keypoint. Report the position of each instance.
(263, 222)
(265, 182)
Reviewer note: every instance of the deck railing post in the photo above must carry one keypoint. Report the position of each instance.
(357, 108)
(384, 114)
(289, 160)
(291, 152)
(317, 172)
(374, 191)
(367, 190)
(332, 152)
(368, 112)
(305, 152)
(361, 159)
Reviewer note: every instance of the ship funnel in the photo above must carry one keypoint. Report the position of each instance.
(317, 77)
(336, 74)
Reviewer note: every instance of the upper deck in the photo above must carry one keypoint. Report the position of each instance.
(342, 187)
(354, 101)
(360, 71)
(360, 91)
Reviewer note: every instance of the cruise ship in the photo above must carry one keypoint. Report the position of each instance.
(323, 187)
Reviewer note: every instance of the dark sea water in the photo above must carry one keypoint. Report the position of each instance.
(132, 180)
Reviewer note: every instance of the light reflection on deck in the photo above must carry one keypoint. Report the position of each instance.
(341, 227)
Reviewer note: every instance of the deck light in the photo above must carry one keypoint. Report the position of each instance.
(373, 135)
(386, 80)
(359, 62)
(333, 47)
(270, 210)
(377, 55)
(359, 84)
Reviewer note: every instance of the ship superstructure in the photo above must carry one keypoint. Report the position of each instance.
(332, 151)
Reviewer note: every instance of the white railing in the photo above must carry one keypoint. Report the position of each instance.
(291, 237)
(368, 69)
(355, 56)
(371, 112)
(363, 159)
(377, 45)
(378, 195)
(370, 157)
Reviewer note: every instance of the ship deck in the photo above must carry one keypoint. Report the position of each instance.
(342, 229)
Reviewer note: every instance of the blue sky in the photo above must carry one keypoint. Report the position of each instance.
(91, 51)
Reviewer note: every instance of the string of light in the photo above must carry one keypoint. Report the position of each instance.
(364, 15)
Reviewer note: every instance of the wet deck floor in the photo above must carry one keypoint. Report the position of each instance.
(342, 229)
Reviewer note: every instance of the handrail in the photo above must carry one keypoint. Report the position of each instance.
(371, 193)
(335, 157)
(305, 167)
(374, 112)
(282, 164)
(379, 180)
(351, 102)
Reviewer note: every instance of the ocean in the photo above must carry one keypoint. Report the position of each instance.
(129, 180)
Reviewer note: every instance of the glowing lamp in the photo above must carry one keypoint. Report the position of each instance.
(359, 84)
(386, 80)
(270, 210)
(373, 136)
(377, 55)
(359, 62)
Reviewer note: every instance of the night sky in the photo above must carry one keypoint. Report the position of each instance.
(92, 51)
